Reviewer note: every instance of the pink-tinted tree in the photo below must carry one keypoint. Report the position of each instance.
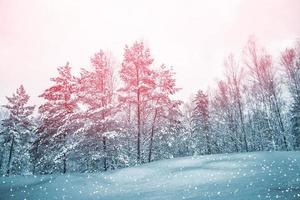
(290, 60)
(96, 94)
(161, 102)
(234, 76)
(55, 117)
(267, 90)
(137, 76)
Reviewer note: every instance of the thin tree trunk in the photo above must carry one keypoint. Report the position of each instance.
(233, 131)
(10, 155)
(234, 139)
(269, 123)
(2, 154)
(243, 125)
(207, 138)
(64, 163)
(207, 142)
(64, 157)
(261, 141)
(35, 157)
(281, 124)
(139, 128)
(152, 135)
(105, 153)
(236, 145)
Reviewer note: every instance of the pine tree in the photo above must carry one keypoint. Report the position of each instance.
(201, 121)
(19, 127)
(56, 118)
(161, 102)
(137, 76)
(96, 93)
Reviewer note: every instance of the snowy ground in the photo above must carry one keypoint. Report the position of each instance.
(264, 175)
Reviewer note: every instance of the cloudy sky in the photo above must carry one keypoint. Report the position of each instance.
(193, 36)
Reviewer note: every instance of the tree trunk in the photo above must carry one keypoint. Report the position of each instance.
(243, 125)
(64, 157)
(152, 135)
(105, 153)
(139, 128)
(35, 152)
(281, 125)
(2, 154)
(277, 112)
(207, 142)
(269, 123)
(261, 141)
(235, 144)
(64, 163)
(10, 155)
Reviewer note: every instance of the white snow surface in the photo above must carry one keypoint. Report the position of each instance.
(240, 176)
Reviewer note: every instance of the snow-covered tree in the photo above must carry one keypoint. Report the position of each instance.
(225, 127)
(137, 76)
(161, 105)
(96, 96)
(19, 127)
(290, 60)
(234, 75)
(56, 123)
(201, 123)
(267, 90)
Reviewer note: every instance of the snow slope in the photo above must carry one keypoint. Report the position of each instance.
(259, 175)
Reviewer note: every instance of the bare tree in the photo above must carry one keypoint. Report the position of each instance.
(290, 60)
(234, 75)
(263, 77)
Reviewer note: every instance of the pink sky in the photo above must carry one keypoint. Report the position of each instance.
(193, 36)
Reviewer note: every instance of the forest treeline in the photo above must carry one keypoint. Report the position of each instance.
(103, 119)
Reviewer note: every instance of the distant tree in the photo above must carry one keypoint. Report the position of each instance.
(265, 83)
(171, 140)
(234, 75)
(295, 123)
(188, 127)
(19, 127)
(4, 137)
(224, 114)
(201, 121)
(256, 122)
(290, 60)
